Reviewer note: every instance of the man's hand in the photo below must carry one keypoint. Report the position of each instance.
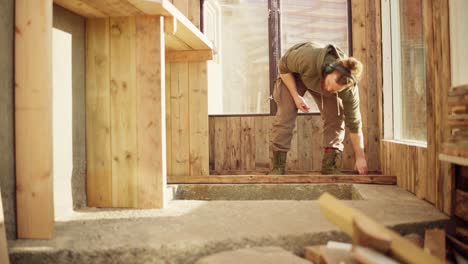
(361, 166)
(301, 104)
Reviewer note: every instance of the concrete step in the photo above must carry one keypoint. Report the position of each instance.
(188, 230)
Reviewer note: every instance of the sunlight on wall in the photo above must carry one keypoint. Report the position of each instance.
(62, 121)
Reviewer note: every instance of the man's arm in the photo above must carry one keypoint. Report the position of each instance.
(290, 82)
(357, 140)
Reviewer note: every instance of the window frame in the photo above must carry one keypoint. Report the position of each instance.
(274, 39)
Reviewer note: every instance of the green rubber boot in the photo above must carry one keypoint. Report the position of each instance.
(279, 163)
(329, 161)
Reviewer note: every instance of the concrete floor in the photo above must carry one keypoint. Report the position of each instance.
(189, 229)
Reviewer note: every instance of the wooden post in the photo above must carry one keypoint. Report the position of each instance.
(33, 119)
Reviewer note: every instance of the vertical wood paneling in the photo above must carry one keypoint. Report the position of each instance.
(233, 144)
(262, 142)
(150, 111)
(305, 145)
(220, 144)
(33, 119)
(198, 119)
(293, 159)
(123, 111)
(247, 144)
(180, 119)
(168, 119)
(98, 139)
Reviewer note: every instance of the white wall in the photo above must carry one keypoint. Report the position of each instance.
(459, 41)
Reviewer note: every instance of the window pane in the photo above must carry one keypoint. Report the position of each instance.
(410, 115)
(314, 20)
(243, 63)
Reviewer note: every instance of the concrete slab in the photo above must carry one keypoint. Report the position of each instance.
(187, 229)
(255, 255)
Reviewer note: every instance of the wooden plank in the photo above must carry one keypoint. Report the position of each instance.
(98, 125)
(262, 142)
(434, 243)
(220, 145)
(305, 138)
(361, 179)
(112, 8)
(198, 109)
(180, 119)
(80, 8)
(212, 142)
(342, 215)
(168, 120)
(33, 119)
(189, 55)
(292, 160)
(317, 143)
(123, 111)
(170, 25)
(233, 155)
(461, 204)
(4, 256)
(151, 112)
(247, 143)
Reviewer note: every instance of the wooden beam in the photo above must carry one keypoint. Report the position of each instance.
(343, 216)
(98, 123)
(170, 25)
(362, 179)
(151, 112)
(80, 8)
(189, 56)
(33, 119)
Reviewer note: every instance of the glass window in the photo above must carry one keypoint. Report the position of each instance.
(409, 71)
(239, 81)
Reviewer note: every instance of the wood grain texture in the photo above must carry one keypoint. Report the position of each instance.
(33, 119)
(151, 115)
(361, 179)
(81, 8)
(198, 119)
(123, 111)
(98, 124)
(179, 107)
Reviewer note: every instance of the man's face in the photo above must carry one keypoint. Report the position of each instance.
(331, 84)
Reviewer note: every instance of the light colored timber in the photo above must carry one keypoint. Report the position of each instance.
(170, 25)
(98, 123)
(33, 119)
(186, 37)
(150, 85)
(342, 215)
(364, 179)
(189, 56)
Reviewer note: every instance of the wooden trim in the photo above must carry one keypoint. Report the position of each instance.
(33, 119)
(361, 179)
(274, 50)
(189, 56)
(170, 25)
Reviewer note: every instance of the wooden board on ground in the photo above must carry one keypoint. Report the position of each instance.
(342, 215)
(361, 179)
(434, 243)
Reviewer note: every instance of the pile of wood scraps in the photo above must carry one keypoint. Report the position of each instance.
(374, 243)
(456, 146)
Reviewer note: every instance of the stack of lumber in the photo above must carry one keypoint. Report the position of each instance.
(371, 241)
(456, 145)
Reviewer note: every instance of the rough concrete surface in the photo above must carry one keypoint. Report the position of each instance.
(187, 230)
(255, 255)
(7, 142)
(75, 25)
(260, 191)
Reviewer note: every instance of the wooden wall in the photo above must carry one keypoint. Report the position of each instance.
(418, 169)
(124, 105)
(187, 110)
(229, 135)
